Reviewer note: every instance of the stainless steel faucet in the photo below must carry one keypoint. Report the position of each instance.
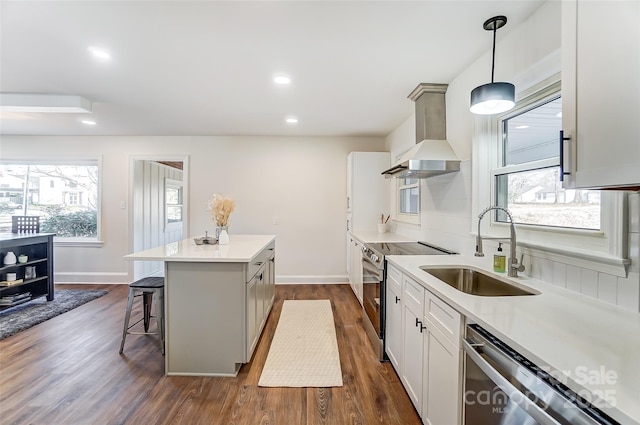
(514, 266)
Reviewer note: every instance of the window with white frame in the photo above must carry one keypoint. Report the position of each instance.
(516, 164)
(40, 188)
(173, 202)
(527, 181)
(409, 200)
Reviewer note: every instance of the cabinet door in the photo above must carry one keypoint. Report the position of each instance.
(393, 330)
(441, 379)
(252, 330)
(601, 93)
(413, 304)
(355, 277)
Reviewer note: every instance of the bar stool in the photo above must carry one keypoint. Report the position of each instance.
(149, 288)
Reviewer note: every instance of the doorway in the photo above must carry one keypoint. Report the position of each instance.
(159, 207)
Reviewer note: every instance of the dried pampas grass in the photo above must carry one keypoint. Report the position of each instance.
(221, 208)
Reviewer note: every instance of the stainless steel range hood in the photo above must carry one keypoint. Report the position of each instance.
(432, 155)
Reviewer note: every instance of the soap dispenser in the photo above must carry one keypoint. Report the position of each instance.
(499, 260)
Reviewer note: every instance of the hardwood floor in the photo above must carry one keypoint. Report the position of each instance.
(67, 370)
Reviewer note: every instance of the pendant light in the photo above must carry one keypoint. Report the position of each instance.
(493, 98)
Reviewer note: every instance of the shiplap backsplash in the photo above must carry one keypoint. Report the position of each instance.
(622, 291)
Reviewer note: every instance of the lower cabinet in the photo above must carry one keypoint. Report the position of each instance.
(423, 344)
(355, 267)
(393, 328)
(411, 375)
(260, 295)
(441, 378)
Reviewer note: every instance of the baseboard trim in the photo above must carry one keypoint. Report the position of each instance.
(91, 277)
(311, 279)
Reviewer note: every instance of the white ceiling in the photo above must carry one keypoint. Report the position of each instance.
(205, 67)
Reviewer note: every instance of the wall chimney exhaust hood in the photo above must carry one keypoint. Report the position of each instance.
(432, 155)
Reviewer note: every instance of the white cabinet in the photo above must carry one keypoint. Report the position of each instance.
(441, 380)
(252, 330)
(411, 366)
(367, 191)
(355, 267)
(601, 93)
(393, 328)
(423, 344)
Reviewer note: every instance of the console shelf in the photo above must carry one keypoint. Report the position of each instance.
(39, 249)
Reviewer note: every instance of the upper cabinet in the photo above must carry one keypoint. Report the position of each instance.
(601, 94)
(367, 189)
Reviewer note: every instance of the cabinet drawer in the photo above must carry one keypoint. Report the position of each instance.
(413, 293)
(443, 317)
(394, 279)
(259, 261)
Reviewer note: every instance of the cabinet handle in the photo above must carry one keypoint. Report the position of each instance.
(562, 140)
(422, 327)
(398, 300)
(417, 321)
(258, 264)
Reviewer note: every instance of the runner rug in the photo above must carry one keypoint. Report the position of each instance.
(304, 350)
(24, 316)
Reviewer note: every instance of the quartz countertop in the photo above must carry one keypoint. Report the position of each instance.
(588, 344)
(241, 249)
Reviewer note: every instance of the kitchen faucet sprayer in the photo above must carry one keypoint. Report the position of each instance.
(514, 265)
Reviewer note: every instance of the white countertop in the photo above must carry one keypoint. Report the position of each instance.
(587, 340)
(241, 249)
(375, 237)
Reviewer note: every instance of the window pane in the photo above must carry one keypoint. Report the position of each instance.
(537, 197)
(533, 135)
(65, 197)
(407, 182)
(174, 214)
(409, 200)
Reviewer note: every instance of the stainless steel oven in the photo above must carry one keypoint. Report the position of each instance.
(502, 387)
(373, 283)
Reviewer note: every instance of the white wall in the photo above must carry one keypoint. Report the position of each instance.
(299, 180)
(525, 55)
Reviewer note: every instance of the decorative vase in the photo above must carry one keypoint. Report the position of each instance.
(382, 228)
(10, 258)
(223, 238)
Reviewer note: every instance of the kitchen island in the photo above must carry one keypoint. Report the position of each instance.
(217, 299)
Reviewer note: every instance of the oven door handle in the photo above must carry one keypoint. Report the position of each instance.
(503, 383)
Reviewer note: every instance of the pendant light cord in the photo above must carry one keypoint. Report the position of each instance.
(493, 52)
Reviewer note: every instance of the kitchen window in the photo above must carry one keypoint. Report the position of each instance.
(409, 200)
(516, 165)
(40, 188)
(527, 180)
(173, 203)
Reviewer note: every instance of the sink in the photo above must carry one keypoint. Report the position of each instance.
(475, 282)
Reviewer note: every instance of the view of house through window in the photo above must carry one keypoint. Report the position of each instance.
(528, 183)
(64, 196)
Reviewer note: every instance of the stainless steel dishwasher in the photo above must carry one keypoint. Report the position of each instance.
(503, 387)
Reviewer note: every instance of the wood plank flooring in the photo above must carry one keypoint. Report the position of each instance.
(67, 370)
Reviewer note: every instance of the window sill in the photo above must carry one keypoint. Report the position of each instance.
(591, 260)
(71, 242)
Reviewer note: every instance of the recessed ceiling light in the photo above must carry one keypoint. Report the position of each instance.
(99, 53)
(520, 127)
(88, 122)
(291, 120)
(282, 79)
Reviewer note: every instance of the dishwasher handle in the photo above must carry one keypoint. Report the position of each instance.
(515, 395)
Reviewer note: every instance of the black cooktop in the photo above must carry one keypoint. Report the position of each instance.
(408, 248)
